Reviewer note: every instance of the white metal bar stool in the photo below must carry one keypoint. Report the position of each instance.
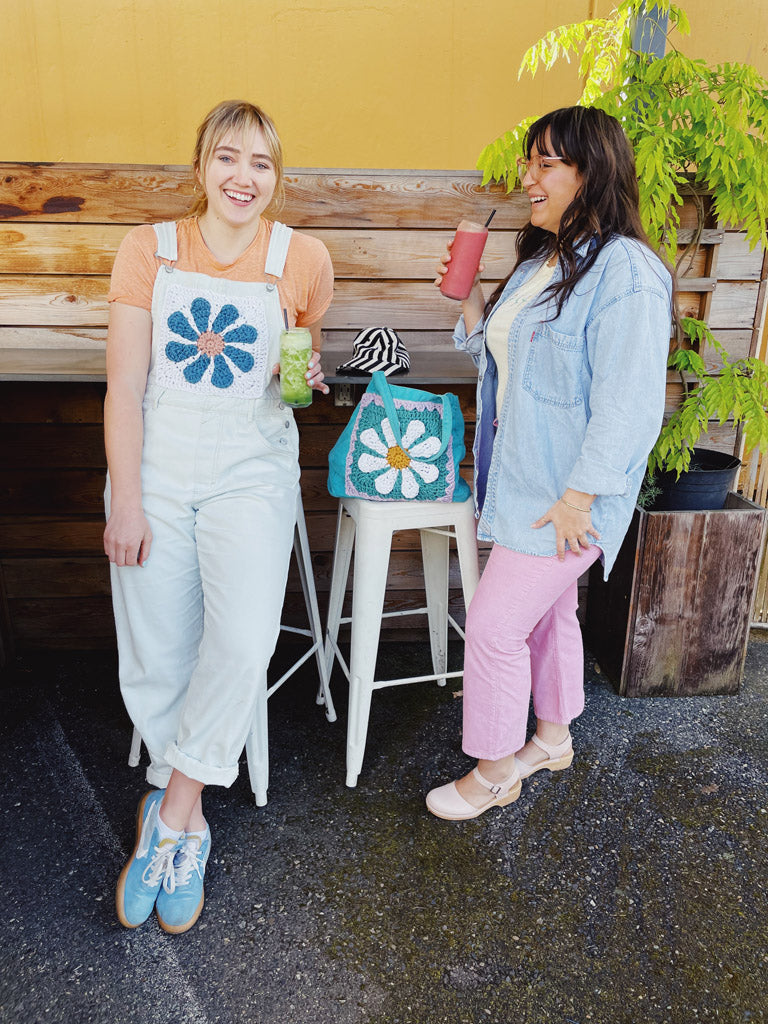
(257, 745)
(368, 527)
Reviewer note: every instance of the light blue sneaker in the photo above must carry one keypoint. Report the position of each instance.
(150, 864)
(181, 897)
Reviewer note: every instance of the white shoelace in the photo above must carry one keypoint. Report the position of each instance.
(160, 867)
(188, 859)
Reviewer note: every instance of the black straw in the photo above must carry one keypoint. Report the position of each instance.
(285, 313)
(489, 219)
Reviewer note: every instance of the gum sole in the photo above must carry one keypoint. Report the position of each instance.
(119, 901)
(178, 929)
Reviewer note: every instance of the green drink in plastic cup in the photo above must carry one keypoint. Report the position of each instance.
(295, 353)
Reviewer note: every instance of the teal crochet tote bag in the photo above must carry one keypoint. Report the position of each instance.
(401, 444)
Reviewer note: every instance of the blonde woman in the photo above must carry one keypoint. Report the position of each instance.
(202, 485)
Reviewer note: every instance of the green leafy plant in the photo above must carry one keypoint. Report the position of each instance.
(736, 392)
(695, 129)
(650, 490)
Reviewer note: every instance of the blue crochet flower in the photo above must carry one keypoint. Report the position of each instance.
(211, 342)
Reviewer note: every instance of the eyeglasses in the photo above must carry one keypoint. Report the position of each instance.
(535, 166)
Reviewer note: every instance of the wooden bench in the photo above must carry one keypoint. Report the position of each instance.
(60, 226)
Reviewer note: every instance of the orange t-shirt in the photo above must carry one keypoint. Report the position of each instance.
(306, 287)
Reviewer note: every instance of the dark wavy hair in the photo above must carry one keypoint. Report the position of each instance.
(606, 204)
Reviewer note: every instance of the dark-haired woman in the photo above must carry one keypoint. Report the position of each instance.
(571, 351)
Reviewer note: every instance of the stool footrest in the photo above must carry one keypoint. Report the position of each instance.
(415, 679)
(389, 615)
(380, 684)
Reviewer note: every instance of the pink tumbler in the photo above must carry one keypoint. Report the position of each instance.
(467, 248)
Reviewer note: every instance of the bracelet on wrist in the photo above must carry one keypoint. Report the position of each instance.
(577, 508)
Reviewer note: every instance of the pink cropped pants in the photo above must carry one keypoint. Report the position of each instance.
(522, 637)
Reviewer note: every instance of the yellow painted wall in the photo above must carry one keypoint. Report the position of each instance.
(386, 83)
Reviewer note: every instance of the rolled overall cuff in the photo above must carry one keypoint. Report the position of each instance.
(209, 775)
(158, 776)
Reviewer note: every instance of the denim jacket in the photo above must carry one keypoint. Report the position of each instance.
(583, 404)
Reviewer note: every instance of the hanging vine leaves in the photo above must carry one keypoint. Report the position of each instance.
(689, 122)
(694, 127)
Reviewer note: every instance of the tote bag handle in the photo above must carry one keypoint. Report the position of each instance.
(380, 384)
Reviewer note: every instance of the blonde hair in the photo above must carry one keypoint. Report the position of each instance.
(236, 117)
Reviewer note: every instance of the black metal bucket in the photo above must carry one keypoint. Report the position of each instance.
(704, 486)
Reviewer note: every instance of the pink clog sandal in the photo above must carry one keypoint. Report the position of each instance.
(558, 757)
(446, 801)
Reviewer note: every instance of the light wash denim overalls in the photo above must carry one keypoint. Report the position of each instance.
(198, 623)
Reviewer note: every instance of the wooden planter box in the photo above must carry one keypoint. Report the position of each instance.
(673, 618)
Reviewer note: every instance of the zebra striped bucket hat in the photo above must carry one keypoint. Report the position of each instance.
(377, 348)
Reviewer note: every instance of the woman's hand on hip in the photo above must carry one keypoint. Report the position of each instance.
(572, 520)
(127, 537)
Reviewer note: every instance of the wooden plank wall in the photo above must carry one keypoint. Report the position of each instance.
(59, 228)
(60, 231)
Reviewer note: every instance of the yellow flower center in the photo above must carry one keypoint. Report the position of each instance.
(397, 458)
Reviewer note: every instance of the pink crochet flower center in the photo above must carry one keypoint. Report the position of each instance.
(211, 344)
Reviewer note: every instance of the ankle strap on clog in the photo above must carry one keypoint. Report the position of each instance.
(497, 788)
(553, 751)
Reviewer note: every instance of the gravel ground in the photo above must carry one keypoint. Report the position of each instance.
(631, 888)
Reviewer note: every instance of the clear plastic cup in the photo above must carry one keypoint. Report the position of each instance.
(467, 248)
(295, 353)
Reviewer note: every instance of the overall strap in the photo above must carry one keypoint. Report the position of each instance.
(167, 246)
(279, 241)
